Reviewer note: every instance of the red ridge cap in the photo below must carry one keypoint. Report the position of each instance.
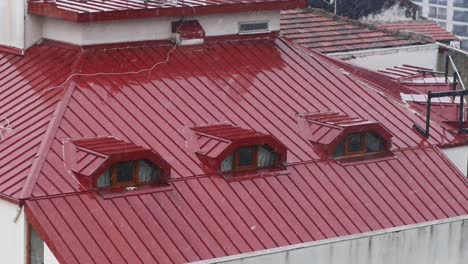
(46, 144)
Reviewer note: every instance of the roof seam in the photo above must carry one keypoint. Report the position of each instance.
(46, 145)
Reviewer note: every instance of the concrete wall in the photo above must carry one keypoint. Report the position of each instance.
(459, 157)
(147, 29)
(441, 242)
(12, 234)
(461, 61)
(12, 23)
(420, 55)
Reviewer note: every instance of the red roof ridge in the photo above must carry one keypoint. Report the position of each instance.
(46, 144)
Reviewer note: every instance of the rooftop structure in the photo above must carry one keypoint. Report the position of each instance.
(449, 14)
(203, 146)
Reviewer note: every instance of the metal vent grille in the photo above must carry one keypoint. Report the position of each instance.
(253, 27)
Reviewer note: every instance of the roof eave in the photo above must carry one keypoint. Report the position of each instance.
(51, 10)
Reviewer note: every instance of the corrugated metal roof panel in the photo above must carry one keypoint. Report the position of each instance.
(209, 217)
(22, 79)
(258, 84)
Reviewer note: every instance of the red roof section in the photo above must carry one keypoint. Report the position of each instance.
(98, 10)
(260, 85)
(208, 217)
(421, 80)
(428, 28)
(324, 32)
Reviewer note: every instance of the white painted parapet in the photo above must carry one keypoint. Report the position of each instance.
(12, 14)
(132, 30)
(459, 157)
(419, 55)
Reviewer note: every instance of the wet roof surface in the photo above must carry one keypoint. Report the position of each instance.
(259, 84)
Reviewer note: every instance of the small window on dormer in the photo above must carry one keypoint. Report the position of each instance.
(130, 173)
(249, 158)
(359, 143)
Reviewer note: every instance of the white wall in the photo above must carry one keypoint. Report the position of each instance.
(12, 234)
(147, 29)
(441, 242)
(12, 23)
(420, 55)
(459, 157)
(49, 257)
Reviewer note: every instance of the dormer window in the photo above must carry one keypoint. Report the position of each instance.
(337, 135)
(359, 143)
(110, 162)
(227, 148)
(130, 173)
(250, 158)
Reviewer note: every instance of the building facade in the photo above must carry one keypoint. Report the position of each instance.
(451, 14)
(179, 132)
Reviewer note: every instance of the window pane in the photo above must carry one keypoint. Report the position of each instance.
(36, 248)
(354, 143)
(148, 172)
(245, 156)
(228, 163)
(105, 179)
(125, 171)
(340, 149)
(373, 143)
(266, 157)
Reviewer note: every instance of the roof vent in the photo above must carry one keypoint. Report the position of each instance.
(253, 27)
(188, 32)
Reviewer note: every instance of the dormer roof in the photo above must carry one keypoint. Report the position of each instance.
(92, 156)
(216, 142)
(89, 11)
(328, 128)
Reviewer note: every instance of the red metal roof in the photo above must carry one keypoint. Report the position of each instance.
(421, 80)
(326, 33)
(207, 217)
(99, 10)
(261, 85)
(428, 28)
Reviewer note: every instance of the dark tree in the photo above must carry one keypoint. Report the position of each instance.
(354, 8)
